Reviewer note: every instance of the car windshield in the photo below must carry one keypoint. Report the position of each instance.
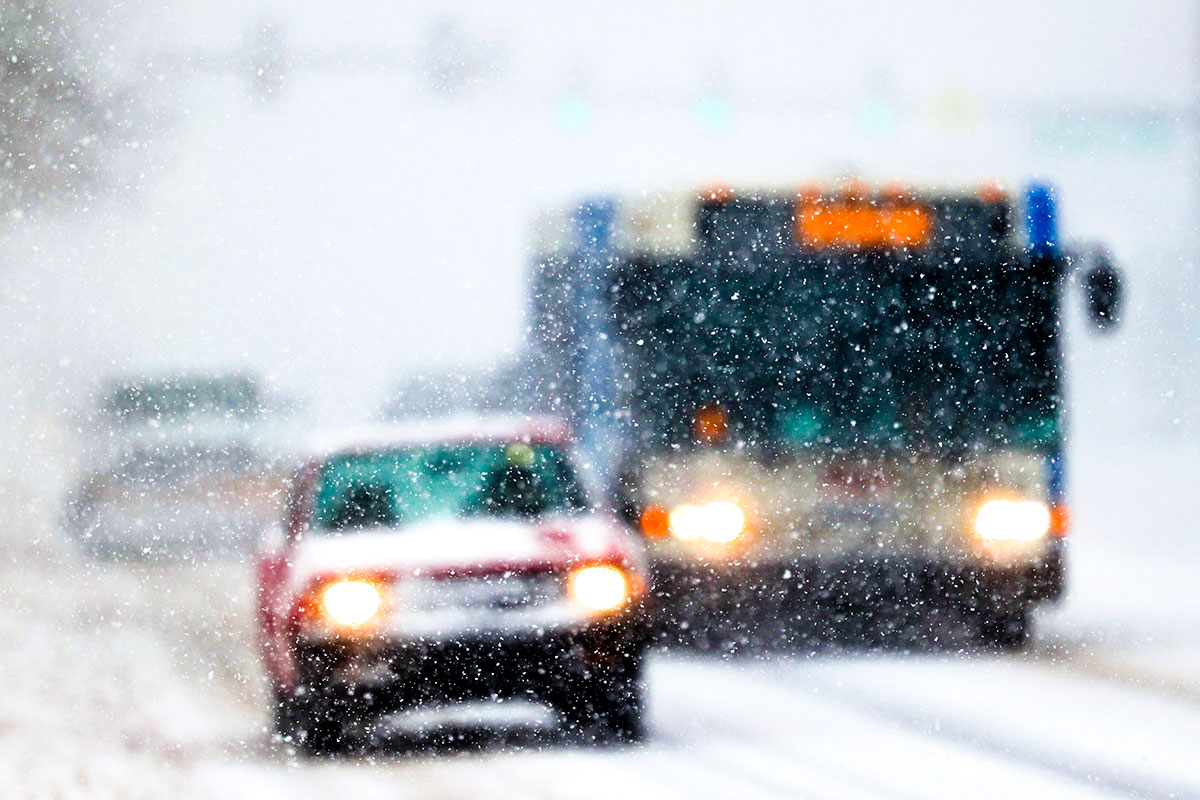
(400, 486)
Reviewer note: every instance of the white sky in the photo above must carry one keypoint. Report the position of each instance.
(357, 226)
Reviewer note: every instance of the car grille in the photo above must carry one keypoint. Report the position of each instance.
(494, 592)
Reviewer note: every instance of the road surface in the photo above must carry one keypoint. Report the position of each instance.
(139, 680)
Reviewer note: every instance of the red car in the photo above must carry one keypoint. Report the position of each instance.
(443, 564)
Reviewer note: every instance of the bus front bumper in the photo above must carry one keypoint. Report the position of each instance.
(855, 580)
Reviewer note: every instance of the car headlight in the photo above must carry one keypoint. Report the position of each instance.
(351, 603)
(718, 521)
(1012, 520)
(599, 588)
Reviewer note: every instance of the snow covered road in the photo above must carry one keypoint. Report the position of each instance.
(132, 681)
(140, 682)
(875, 727)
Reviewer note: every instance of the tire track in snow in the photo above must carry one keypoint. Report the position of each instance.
(1092, 775)
(1066, 655)
(860, 740)
(730, 743)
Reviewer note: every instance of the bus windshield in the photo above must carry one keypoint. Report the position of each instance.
(936, 348)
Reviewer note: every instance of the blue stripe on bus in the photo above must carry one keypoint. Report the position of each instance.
(594, 223)
(1056, 477)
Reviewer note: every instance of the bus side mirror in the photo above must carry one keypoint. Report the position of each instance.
(1102, 284)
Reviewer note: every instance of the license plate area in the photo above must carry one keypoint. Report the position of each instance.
(476, 593)
(854, 523)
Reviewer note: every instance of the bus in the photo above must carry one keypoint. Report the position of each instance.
(837, 394)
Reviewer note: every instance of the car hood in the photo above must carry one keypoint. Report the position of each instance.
(464, 546)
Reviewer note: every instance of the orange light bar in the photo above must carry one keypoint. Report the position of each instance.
(855, 225)
(854, 189)
(808, 194)
(896, 191)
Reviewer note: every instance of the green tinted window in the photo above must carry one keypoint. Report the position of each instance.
(400, 486)
(845, 349)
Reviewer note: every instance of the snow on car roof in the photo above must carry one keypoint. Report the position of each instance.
(451, 430)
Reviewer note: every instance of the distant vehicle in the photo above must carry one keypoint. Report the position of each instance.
(184, 464)
(445, 563)
(431, 393)
(831, 396)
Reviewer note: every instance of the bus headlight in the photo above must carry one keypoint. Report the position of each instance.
(351, 603)
(718, 521)
(600, 588)
(1012, 520)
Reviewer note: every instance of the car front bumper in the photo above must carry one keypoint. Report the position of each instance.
(383, 674)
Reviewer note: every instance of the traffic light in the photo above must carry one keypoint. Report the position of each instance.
(713, 112)
(573, 113)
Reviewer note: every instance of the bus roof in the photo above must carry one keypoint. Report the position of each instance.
(665, 223)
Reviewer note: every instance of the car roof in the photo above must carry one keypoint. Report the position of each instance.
(450, 430)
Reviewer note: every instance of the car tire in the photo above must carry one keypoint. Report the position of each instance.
(1006, 629)
(606, 706)
(308, 723)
